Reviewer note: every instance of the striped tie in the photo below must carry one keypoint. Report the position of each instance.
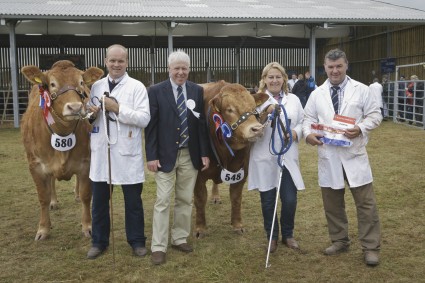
(335, 98)
(181, 106)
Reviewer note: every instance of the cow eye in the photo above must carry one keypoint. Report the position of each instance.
(52, 85)
(229, 110)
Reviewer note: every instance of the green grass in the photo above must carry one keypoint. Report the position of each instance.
(397, 154)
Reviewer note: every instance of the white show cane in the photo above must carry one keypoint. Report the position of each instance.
(107, 132)
(274, 218)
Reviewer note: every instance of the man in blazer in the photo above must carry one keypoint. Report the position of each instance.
(176, 148)
(340, 94)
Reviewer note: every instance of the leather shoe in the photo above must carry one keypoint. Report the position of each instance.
(336, 248)
(140, 251)
(158, 258)
(94, 252)
(291, 243)
(273, 246)
(371, 258)
(185, 247)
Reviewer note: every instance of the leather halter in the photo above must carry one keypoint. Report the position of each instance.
(243, 118)
(66, 88)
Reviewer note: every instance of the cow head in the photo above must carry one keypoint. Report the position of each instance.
(237, 107)
(67, 87)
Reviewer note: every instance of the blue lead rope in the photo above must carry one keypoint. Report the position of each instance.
(285, 144)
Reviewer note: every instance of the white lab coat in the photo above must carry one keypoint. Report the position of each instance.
(376, 90)
(264, 171)
(359, 104)
(126, 153)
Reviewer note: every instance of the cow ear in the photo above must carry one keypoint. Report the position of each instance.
(91, 75)
(215, 102)
(260, 98)
(34, 75)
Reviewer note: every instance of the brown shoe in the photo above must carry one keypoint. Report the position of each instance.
(185, 247)
(158, 258)
(371, 258)
(291, 243)
(140, 251)
(273, 246)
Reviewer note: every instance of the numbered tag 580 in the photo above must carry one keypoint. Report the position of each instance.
(63, 143)
(232, 178)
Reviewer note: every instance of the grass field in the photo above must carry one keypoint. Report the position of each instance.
(397, 155)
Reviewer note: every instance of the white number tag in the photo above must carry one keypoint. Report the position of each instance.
(63, 143)
(232, 178)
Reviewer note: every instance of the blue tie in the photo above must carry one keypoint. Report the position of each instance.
(181, 106)
(334, 97)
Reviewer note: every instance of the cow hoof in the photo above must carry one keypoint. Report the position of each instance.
(200, 235)
(41, 236)
(239, 231)
(215, 200)
(87, 233)
(54, 206)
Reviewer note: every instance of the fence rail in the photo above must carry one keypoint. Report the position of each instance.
(401, 108)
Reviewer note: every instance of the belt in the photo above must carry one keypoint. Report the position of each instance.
(183, 147)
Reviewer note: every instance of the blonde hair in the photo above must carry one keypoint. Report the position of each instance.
(267, 68)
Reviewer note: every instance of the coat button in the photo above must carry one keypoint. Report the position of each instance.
(178, 129)
(177, 142)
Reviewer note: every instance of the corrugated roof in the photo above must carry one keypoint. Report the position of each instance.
(293, 11)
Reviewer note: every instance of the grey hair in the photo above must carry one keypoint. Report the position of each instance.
(178, 56)
(336, 54)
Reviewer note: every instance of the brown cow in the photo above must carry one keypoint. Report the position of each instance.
(236, 107)
(61, 149)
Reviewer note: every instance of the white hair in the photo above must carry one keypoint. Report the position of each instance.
(178, 56)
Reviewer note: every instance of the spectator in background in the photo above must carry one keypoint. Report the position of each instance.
(415, 94)
(311, 84)
(376, 90)
(388, 95)
(300, 90)
(401, 99)
(292, 81)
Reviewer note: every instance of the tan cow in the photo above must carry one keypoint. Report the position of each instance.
(236, 106)
(59, 150)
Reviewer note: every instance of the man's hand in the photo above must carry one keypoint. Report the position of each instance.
(206, 163)
(313, 139)
(154, 165)
(112, 105)
(353, 132)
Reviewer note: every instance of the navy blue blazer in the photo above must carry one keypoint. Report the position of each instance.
(162, 134)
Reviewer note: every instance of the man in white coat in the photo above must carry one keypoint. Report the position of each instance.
(338, 164)
(376, 91)
(128, 107)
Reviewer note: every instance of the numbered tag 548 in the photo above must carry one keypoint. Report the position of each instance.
(230, 177)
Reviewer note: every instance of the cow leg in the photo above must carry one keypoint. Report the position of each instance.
(215, 194)
(77, 190)
(85, 196)
(53, 197)
(236, 200)
(200, 196)
(43, 184)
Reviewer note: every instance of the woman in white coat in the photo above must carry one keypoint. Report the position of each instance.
(130, 103)
(264, 171)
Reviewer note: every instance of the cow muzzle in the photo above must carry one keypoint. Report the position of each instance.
(254, 132)
(73, 110)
